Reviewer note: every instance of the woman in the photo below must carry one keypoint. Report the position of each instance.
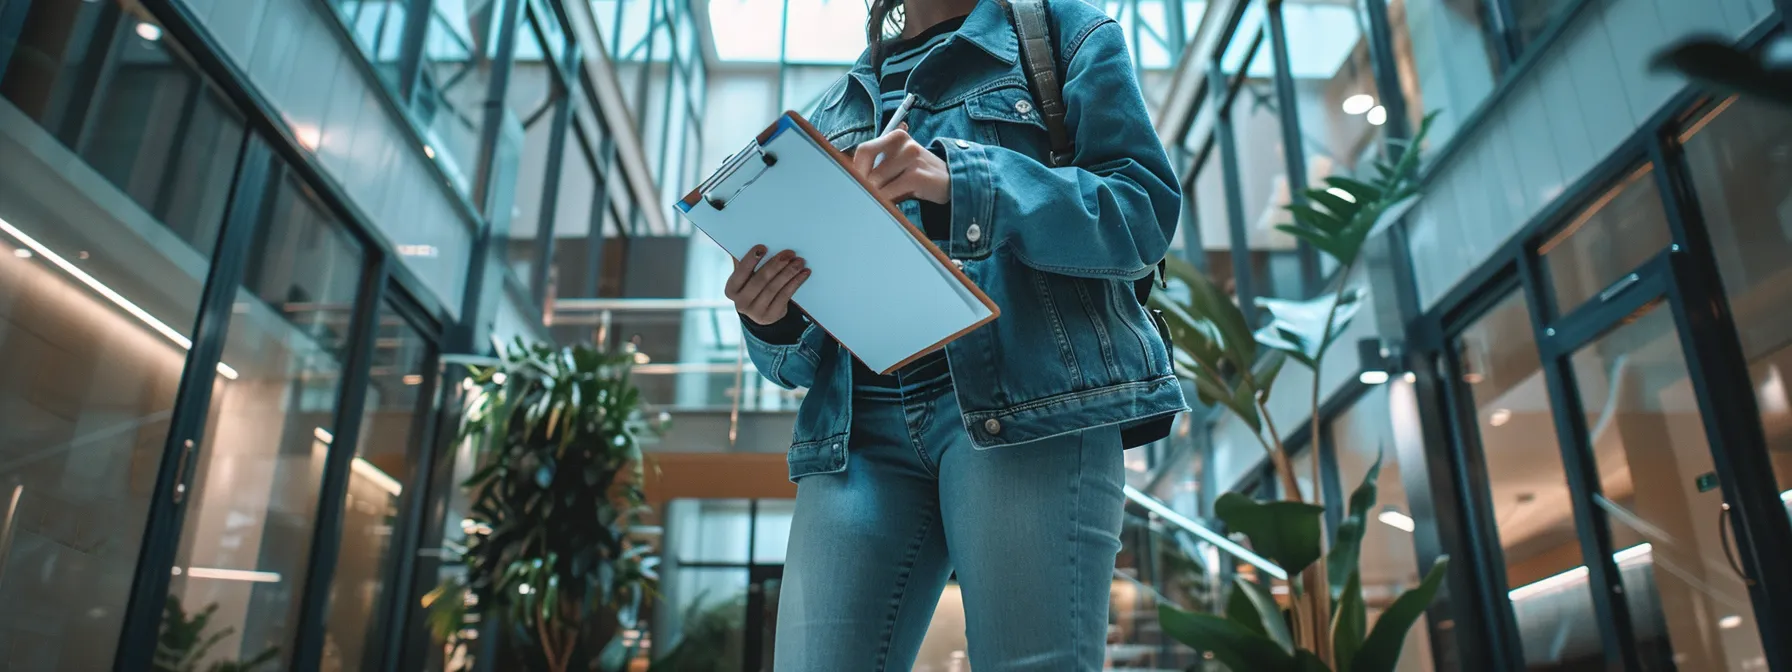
(998, 459)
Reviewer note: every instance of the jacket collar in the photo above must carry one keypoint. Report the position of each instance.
(987, 27)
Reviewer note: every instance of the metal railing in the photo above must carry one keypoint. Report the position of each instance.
(689, 353)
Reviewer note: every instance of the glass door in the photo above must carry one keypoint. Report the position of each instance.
(1593, 465)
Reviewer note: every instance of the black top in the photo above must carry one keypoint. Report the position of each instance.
(936, 218)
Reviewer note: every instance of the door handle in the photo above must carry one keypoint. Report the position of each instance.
(1723, 537)
(180, 471)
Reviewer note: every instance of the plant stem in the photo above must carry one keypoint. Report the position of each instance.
(1315, 577)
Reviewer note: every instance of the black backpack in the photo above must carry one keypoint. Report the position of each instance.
(1039, 59)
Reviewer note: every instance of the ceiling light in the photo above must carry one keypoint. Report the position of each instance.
(429, 151)
(22, 253)
(1397, 520)
(232, 575)
(1359, 103)
(308, 136)
(1499, 417)
(1340, 193)
(1730, 622)
(413, 379)
(525, 589)
(1373, 377)
(1377, 116)
(149, 31)
(499, 378)
(377, 476)
(100, 288)
(1786, 496)
(466, 384)
(642, 358)
(323, 435)
(1411, 377)
(1472, 378)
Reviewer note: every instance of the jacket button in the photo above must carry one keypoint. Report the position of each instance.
(962, 144)
(1023, 107)
(993, 426)
(958, 264)
(974, 233)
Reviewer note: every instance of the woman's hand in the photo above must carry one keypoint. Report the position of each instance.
(908, 170)
(763, 295)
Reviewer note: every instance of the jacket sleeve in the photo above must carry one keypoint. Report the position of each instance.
(1110, 214)
(789, 362)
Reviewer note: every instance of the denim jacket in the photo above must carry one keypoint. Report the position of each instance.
(1056, 248)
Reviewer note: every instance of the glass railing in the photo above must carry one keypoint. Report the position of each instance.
(1170, 558)
(689, 355)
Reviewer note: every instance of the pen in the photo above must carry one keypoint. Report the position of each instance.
(908, 101)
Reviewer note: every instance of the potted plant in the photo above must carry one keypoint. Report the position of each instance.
(556, 495)
(1233, 364)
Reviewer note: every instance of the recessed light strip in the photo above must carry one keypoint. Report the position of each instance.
(100, 288)
(233, 575)
(1634, 555)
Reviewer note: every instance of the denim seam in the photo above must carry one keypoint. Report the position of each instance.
(1076, 506)
(908, 568)
(1101, 330)
(1114, 297)
(914, 440)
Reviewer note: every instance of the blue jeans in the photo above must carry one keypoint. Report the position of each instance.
(1032, 531)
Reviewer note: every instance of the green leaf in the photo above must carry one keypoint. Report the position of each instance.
(1362, 191)
(1381, 650)
(1348, 621)
(1339, 250)
(1341, 561)
(1207, 303)
(1343, 209)
(1244, 404)
(1308, 216)
(1233, 644)
(1252, 606)
(1390, 215)
(1307, 661)
(1285, 532)
(1296, 327)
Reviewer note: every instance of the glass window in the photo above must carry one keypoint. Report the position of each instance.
(379, 489)
(1447, 59)
(155, 128)
(1740, 159)
(97, 303)
(1388, 563)
(771, 530)
(574, 221)
(250, 514)
(1528, 490)
(1303, 475)
(1210, 210)
(1619, 231)
(456, 76)
(1334, 84)
(378, 29)
(531, 102)
(1687, 607)
(1262, 164)
(1534, 17)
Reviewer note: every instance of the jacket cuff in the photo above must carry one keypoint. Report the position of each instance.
(973, 192)
(788, 330)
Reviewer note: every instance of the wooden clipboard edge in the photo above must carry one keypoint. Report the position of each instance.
(690, 200)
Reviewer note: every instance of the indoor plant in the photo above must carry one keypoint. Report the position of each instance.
(1233, 364)
(555, 495)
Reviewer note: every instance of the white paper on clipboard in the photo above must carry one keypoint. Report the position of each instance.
(878, 286)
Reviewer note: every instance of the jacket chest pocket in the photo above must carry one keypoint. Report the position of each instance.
(1008, 117)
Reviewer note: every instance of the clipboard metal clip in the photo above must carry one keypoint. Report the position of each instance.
(736, 174)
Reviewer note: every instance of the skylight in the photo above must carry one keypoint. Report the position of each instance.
(821, 31)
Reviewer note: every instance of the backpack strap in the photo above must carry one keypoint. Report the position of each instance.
(1032, 26)
(1039, 59)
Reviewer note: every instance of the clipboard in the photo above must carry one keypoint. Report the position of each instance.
(879, 286)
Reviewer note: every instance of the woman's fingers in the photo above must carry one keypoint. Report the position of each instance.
(772, 296)
(865, 157)
(743, 271)
(756, 284)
